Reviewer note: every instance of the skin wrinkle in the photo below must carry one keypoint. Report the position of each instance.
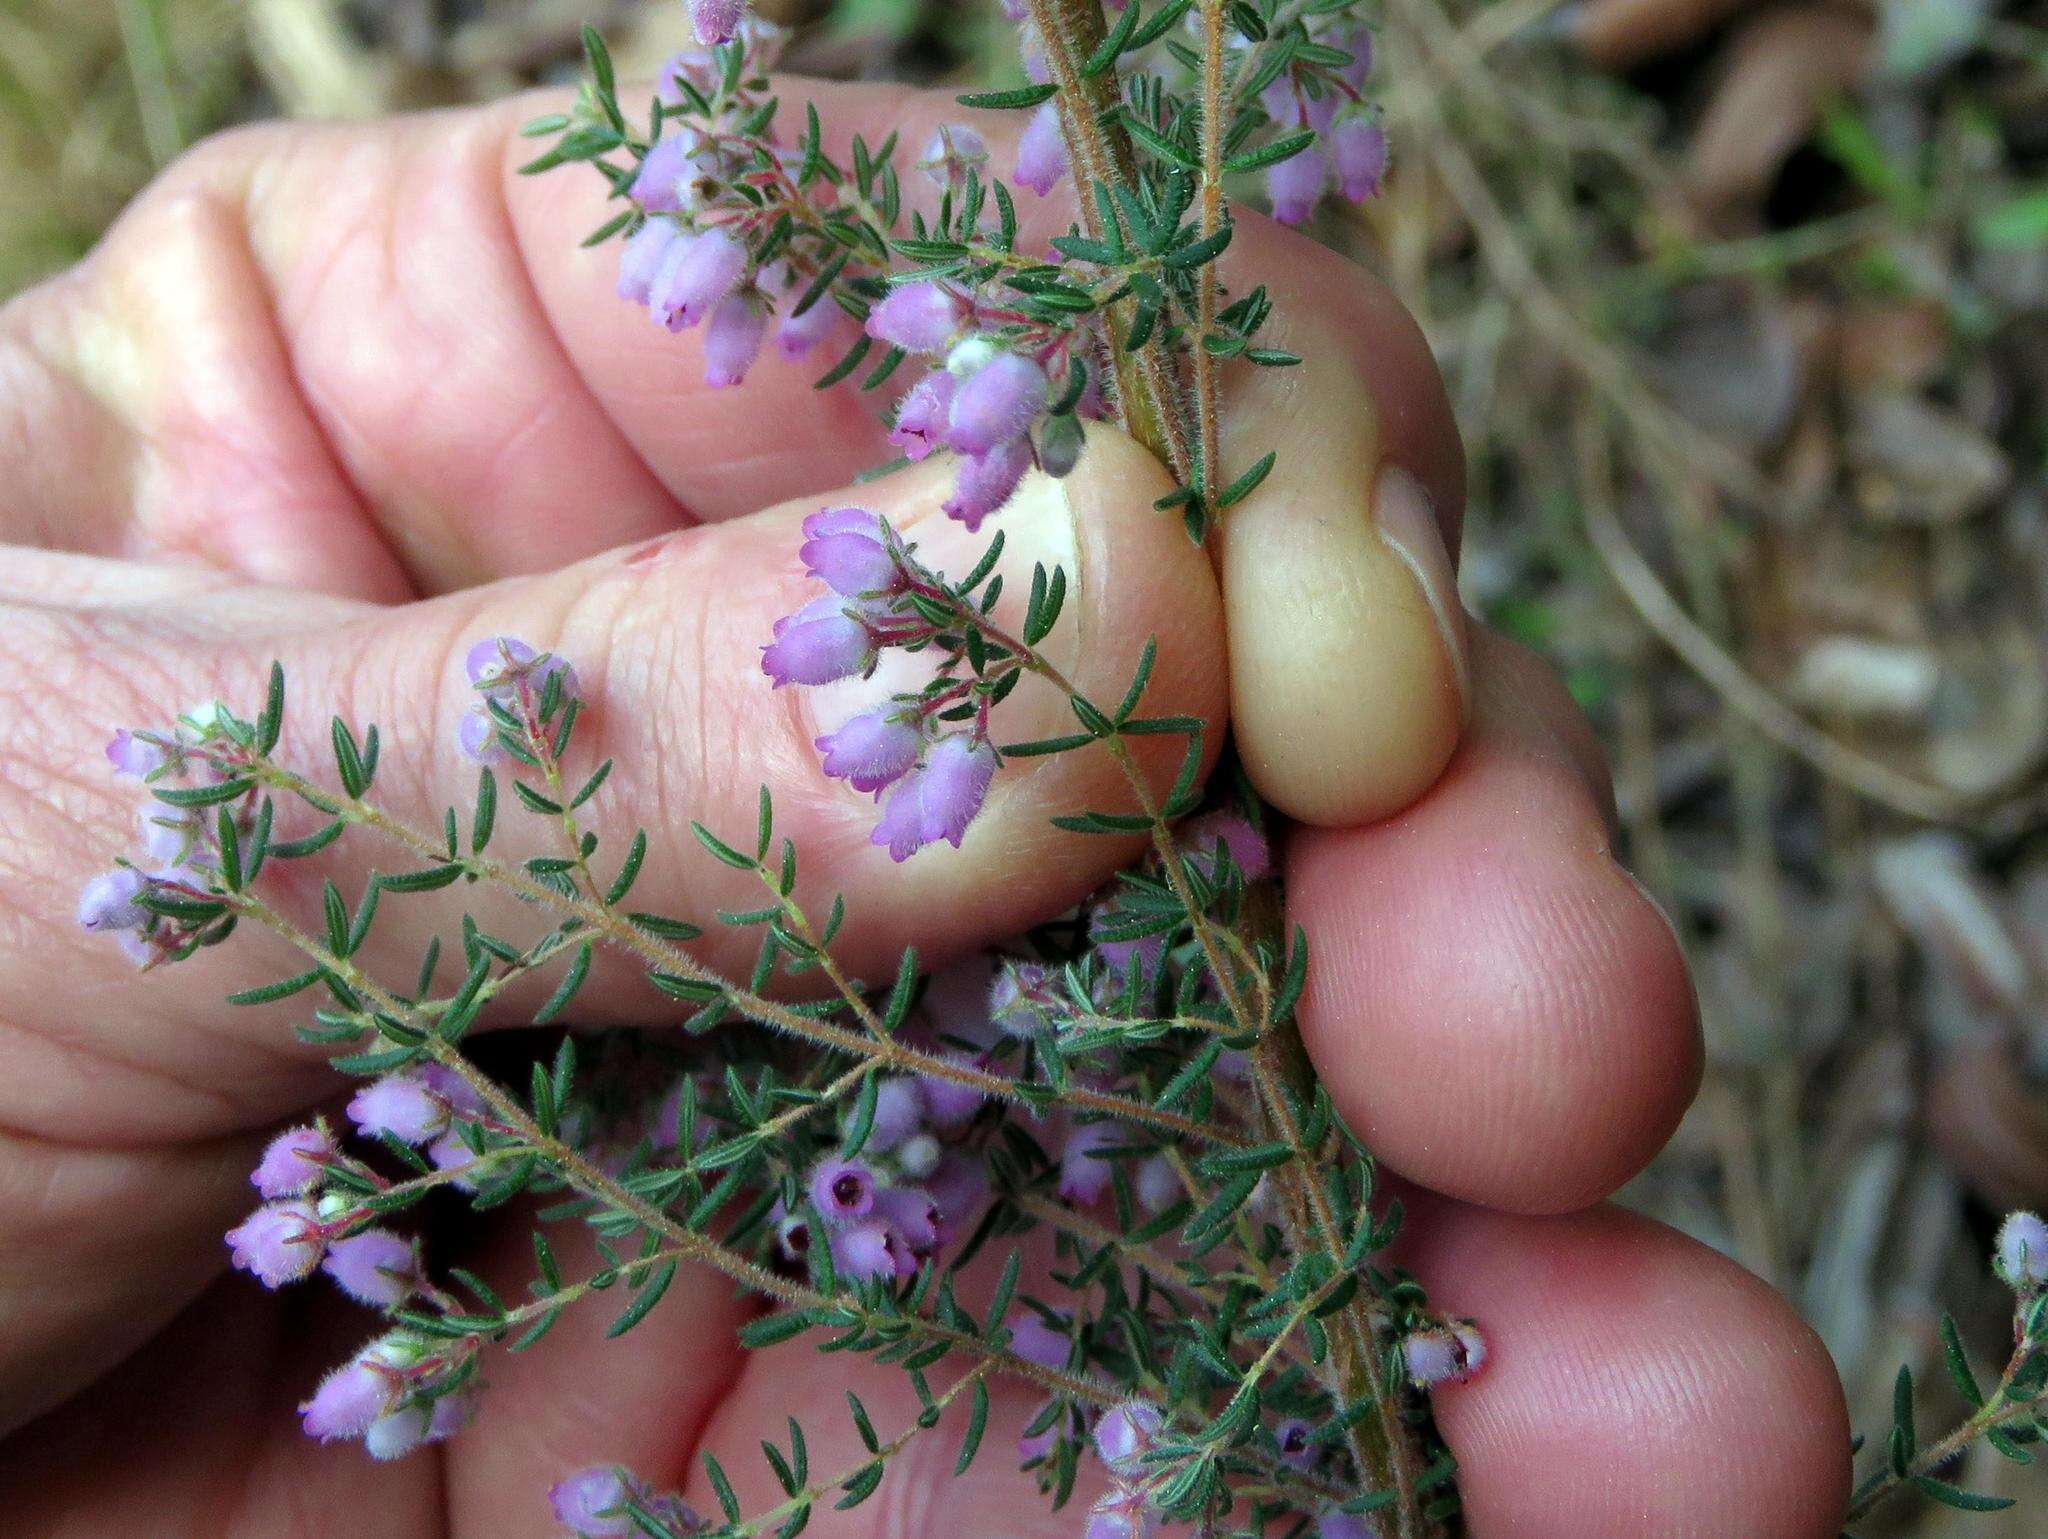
(31, 375)
(493, 174)
(218, 189)
(507, 170)
(274, 151)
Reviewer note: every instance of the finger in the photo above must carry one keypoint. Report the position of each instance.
(342, 355)
(372, 357)
(1637, 1385)
(668, 643)
(578, 1398)
(920, 1496)
(1497, 1006)
(78, 1294)
(1349, 677)
(196, 1434)
(1631, 1376)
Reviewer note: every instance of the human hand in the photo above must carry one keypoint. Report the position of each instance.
(352, 398)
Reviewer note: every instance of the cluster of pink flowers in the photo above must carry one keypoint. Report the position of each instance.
(940, 778)
(688, 262)
(512, 683)
(1123, 1436)
(306, 1223)
(890, 1207)
(598, 1503)
(992, 386)
(425, 1105)
(178, 858)
(1351, 145)
(396, 1393)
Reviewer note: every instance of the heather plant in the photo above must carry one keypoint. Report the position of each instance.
(1221, 1338)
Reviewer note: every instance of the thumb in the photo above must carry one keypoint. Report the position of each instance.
(1348, 674)
(666, 639)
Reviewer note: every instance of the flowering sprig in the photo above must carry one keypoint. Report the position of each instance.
(1082, 1085)
(2008, 1416)
(930, 751)
(1220, 1335)
(733, 223)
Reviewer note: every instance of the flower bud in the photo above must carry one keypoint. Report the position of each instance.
(953, 150)
(1157, 1184)
(796, 335)
(500, 666)
(715, 21)
(872, 750)
(948, 1103)
(899, 1112)
(820, 643)
(1355, 40)
(1042, 151)
(592, 1503)
(699, 272)
(939, 798)
(132, 755)
(959, 1185)
(996, 404)
(1248, 848)
(1334, 1523)
(1296, 185)
(402, 1105)
(1121, 1514)
(732, 340)
(398, 1434)
(350, 1400)
(921, 416)
(969, 355)
(866, 1249)
(2022, 1252)
(375, 1267)
(1016, 998)
(851, 552)
(1126, 1434)
(1443, 1354)
(1358, 150)
(1084, 1179)
(452, 1412)
(987, 481)
(912, 1217)
(662, 185)
(175, 836)
(476, 734)
(451, 1151)
(919, 1155)
(1036, 1342)
(921, 317)
(293, 1163)
(279, 1243)
(109, 901)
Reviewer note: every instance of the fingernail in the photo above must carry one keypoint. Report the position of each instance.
(1405, 520)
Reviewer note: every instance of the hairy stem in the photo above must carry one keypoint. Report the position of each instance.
(1150, 393)
(664, 957)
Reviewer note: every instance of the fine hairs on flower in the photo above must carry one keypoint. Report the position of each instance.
(1222, 1344)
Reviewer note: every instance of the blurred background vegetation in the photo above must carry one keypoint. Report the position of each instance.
(1744, 307)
